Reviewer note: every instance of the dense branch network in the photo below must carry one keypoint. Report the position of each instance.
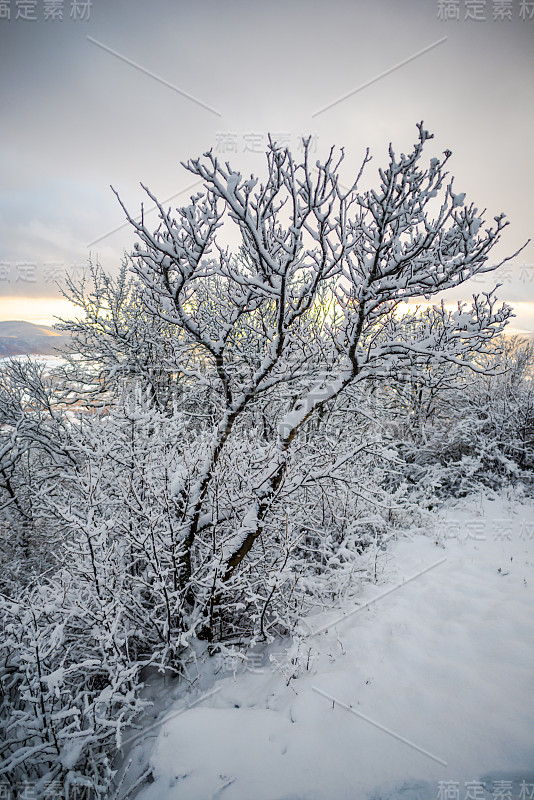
(308, 244)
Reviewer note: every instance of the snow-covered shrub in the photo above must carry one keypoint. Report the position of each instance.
(480, 430)
(69, 686)
(34, 445)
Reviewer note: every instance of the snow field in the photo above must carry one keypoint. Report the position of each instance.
(445, 662)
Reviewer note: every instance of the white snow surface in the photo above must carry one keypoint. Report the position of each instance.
(445, 661)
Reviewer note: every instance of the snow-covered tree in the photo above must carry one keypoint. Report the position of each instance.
(310, 307)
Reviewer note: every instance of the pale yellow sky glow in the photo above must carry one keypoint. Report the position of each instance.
(44, 310)
(39, 310)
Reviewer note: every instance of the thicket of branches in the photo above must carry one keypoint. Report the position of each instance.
(236, 435)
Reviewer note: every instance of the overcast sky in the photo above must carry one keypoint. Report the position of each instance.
(77, 117)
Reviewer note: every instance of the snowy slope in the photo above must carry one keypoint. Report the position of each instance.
(445, 663)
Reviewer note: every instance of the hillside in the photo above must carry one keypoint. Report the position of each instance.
(25, 338)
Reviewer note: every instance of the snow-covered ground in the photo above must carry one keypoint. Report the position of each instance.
(444, 662)
(48, 362)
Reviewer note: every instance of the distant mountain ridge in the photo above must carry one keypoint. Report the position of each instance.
(19, 338)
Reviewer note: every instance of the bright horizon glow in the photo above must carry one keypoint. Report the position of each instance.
(39, 310)
(44, 310)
